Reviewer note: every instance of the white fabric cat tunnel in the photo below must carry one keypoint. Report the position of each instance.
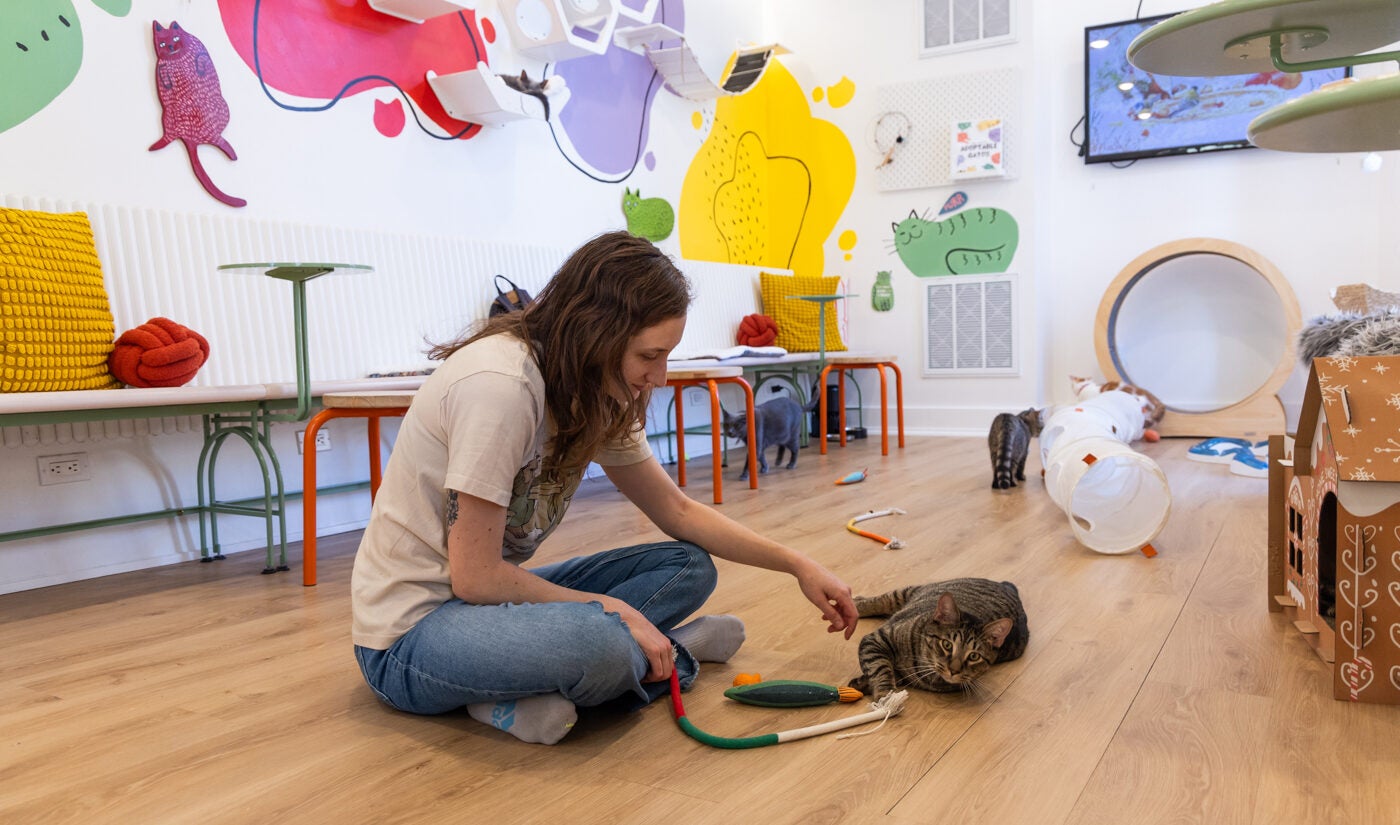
(1116, 498)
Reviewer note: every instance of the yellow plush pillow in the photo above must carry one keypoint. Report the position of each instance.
(56, 326)
(797, 320)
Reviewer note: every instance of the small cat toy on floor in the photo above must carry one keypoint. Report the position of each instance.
(890, 543)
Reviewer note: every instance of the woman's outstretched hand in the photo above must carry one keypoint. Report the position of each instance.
(833, 596)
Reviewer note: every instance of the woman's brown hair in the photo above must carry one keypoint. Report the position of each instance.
(609, 289)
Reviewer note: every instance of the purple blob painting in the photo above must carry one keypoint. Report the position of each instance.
(606, 118)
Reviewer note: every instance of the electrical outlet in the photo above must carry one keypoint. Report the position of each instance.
(61, 469)
(323, 440)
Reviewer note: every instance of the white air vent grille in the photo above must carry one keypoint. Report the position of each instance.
(970, 326)
(955, 25)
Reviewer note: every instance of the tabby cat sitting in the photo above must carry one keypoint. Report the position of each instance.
(941, 636)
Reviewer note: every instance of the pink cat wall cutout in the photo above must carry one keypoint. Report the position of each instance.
(193, 109)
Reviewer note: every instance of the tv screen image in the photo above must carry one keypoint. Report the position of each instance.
(1131, 114)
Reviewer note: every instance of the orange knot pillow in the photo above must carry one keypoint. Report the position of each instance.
(159, 353)
(757, 331)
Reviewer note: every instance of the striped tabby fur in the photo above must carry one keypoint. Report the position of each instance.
(941, 636)
(1009, 442)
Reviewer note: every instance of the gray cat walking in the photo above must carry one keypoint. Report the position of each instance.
(775, 421)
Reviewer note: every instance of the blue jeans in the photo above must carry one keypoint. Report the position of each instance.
(462, 654)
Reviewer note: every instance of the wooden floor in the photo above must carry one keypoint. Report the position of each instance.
(1153, 690)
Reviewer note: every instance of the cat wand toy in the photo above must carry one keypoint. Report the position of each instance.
(890, 543)
(891, 705)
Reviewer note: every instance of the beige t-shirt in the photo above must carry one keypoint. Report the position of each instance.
(480, 426)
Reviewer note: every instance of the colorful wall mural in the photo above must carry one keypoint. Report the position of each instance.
(770, 181)
(318, 51)
(767, 186)
(41, 50)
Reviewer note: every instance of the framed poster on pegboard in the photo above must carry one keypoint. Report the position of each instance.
(914, 127)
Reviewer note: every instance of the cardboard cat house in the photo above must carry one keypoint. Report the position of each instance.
(1334, 524)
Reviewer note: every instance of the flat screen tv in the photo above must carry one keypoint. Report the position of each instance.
(1131, 114)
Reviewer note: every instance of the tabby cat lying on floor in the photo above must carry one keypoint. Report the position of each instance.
(940, 636)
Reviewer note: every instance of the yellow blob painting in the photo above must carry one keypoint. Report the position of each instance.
(769, 183)
(697, 119)
(841, 93)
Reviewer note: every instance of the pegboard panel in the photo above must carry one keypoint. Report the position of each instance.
(931, 107)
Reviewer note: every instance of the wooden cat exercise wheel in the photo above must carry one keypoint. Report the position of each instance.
(1207, 325)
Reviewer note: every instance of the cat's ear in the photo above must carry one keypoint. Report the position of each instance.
(996, 632)
(913, 214)
(175, 27)
(946, 612)
(895, 226)
(157, 27)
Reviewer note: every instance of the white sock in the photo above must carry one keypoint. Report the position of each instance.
(540, 719)
(711, 638)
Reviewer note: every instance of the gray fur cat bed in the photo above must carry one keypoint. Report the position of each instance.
(1349, 333)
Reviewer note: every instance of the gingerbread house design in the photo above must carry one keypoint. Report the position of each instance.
(1334, 524)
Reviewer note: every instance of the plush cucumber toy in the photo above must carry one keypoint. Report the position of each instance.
(790, 693)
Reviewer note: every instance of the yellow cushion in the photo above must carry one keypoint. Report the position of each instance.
(56, 326)
(797, 320)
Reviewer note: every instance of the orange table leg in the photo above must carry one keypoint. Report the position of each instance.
(884, 413)
(899, 400)
(680, 435)
(753, 435)
(308, 473)
(716, 459)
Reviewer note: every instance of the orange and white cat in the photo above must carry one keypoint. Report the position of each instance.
(1152, 407)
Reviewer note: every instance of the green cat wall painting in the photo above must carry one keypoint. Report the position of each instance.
(650, 218)
(975, 241)
(41, 49)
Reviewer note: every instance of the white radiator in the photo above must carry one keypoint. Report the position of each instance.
(423, 289)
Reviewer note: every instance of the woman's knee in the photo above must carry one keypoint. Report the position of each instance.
(699, 568)
(598, 659)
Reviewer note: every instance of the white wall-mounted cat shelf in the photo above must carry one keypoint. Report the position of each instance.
(682, 72)
(639, 11)
(416, 11)
(479, 95)
(554, 30)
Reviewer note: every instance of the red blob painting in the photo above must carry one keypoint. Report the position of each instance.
(389, 118)
(330, 50)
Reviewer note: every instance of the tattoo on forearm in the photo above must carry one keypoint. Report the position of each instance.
(451, 507)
